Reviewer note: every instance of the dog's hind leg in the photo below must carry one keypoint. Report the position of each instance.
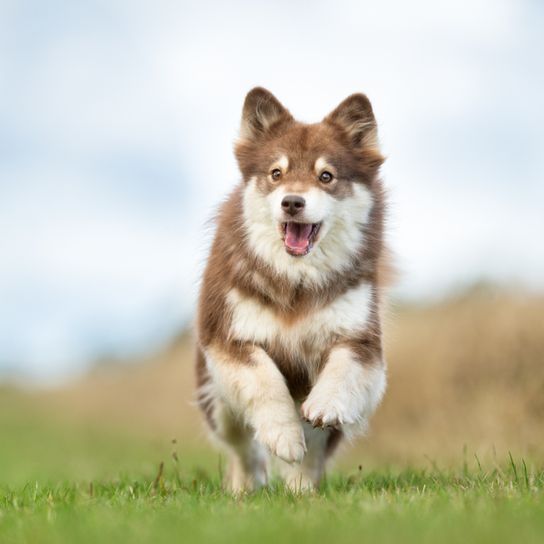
(248, 468)
(248, 460)
(305, 476)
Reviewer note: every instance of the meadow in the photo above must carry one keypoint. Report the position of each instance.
(455, 453)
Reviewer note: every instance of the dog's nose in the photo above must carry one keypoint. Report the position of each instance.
(292, 204)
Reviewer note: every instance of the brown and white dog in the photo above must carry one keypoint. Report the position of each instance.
(289, 337)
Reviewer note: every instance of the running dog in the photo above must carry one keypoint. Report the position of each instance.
(289, 356)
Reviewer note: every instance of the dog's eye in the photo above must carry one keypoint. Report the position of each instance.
(276, 174)
(325, 177)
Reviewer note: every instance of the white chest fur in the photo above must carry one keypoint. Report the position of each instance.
(253, 322)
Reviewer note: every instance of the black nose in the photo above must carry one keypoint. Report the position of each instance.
(292, 204)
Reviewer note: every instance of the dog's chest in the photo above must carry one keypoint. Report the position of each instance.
(304, 339)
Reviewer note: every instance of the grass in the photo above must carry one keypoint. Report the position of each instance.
(80, 463)
(65, 482)
(379, 506)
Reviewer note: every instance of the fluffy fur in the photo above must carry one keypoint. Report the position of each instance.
(289, 338)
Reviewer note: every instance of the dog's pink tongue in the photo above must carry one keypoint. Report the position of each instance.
(297, 235)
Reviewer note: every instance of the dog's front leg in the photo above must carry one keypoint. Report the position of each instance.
(254, 389)
(348, 389)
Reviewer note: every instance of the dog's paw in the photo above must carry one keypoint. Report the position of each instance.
(324, 410)
(284, 440)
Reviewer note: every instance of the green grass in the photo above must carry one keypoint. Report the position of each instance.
(380, 506)
(64, 482)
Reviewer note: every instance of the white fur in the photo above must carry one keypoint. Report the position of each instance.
(306, 475)
(282, 163)
(321, 165)
(256, 393)
(346, 393)
(248, 468)
(339, 238)
(249, 460)
(258, 324)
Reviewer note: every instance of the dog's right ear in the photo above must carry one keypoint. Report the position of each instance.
(262, 115)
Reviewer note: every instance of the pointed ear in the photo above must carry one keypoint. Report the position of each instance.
(355, 116)
(262, 114)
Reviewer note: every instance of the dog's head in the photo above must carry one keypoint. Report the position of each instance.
(307, 185)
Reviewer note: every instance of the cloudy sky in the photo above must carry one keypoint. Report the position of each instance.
(116, 127)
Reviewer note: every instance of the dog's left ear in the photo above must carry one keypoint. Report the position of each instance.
(262, 114)
(355, 116)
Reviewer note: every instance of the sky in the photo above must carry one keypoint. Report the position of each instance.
(117, 121)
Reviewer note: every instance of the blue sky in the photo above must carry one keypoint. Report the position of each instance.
(116, 127)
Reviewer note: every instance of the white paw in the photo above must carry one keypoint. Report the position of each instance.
(286, 440)
(321, 409)
(346, 393)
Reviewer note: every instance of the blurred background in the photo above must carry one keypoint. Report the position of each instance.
(117, 121)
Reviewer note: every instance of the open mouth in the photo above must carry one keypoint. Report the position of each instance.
(299, 238)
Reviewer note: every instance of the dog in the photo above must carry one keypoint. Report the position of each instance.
(289, 351)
